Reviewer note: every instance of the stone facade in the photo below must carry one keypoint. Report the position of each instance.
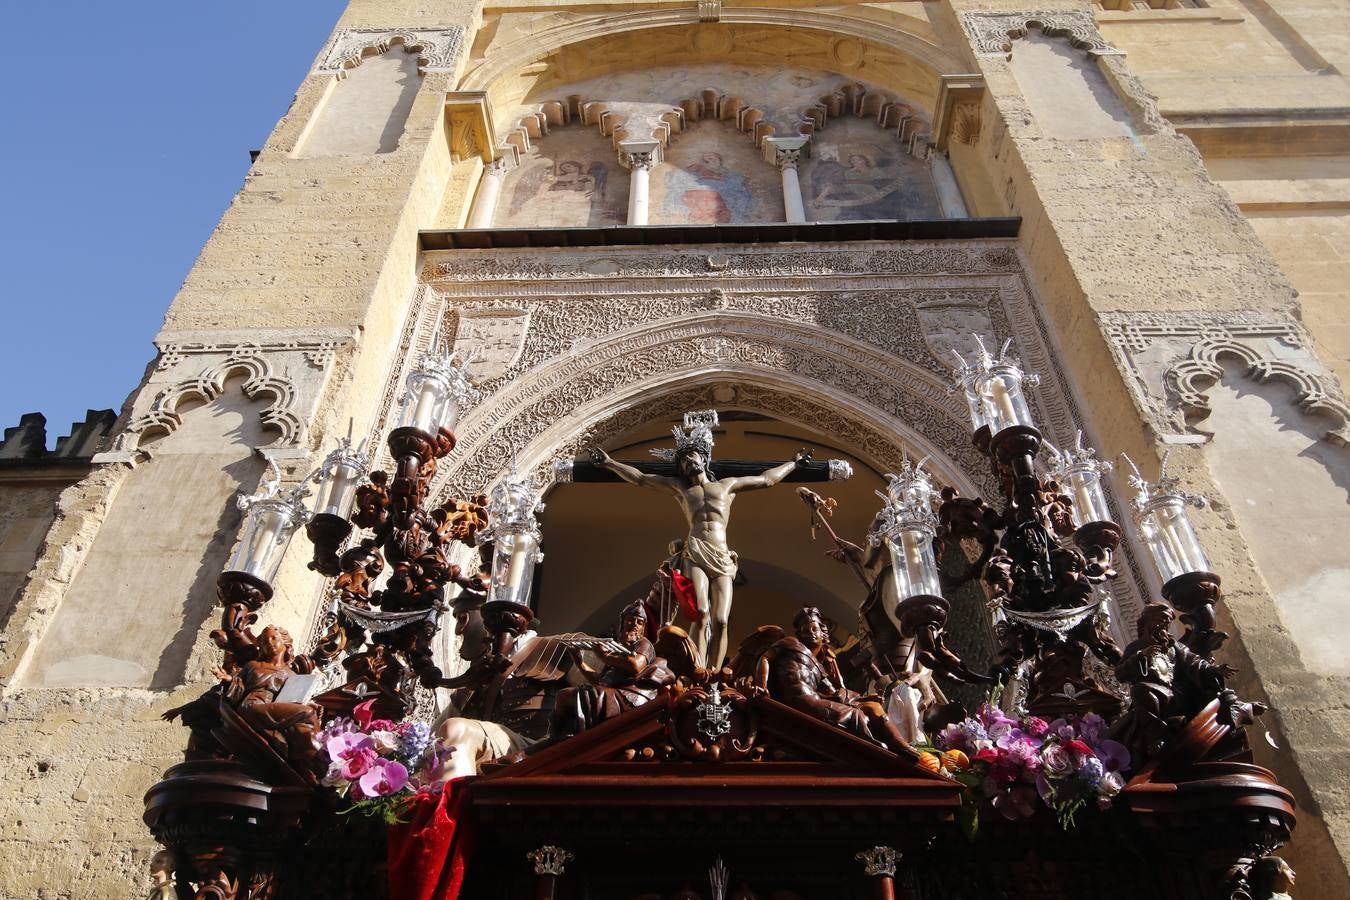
(1178, 279)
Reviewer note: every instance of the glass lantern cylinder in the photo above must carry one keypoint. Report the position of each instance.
(424, 400)
(913, 563)
(908, 527)
(339, 476)
(1079, 473)
(513, 528)
(1001, 397)
(965, 381)
(270, 522)
(1170, 537)
(515, 554)
(1160, 514)
(993, 387)
(437, 389)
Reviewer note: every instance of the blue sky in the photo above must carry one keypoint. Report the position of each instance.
(128, 127)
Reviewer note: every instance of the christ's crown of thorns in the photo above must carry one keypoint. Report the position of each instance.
(696, 435)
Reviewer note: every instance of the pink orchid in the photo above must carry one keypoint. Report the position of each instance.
(339, 746)
(384, 778)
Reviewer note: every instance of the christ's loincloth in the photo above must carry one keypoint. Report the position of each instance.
(716, 562)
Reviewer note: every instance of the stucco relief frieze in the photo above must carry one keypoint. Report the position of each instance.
(889, 320)
(438, 48)
(1173, 359)
(447, 267)
(288, 369)
(993, 33)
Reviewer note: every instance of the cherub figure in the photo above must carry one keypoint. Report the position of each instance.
(289, 727)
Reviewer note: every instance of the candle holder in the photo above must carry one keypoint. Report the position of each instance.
(1079, 472)
(908, 525)
(993, 387)
(271, 518)
(513, 529)
(338, 477)
(438, 387)
(1189, 584)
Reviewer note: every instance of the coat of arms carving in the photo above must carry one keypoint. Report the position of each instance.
(950, 323)
(492, 336)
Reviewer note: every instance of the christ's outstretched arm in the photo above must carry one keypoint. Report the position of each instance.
(769, 477)
(630, 474)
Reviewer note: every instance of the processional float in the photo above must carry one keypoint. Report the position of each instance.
(652, 722)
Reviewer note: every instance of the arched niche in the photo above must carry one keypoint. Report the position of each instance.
(712, 175)
(133, 614)
(364, 113)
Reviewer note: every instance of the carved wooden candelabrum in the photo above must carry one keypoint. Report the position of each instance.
(1045, 553)
(247, 788)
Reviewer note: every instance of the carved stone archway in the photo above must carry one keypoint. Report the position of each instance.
(879, 404)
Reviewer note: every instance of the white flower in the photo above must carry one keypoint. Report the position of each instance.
(385, 741)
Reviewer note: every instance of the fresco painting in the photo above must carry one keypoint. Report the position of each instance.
(858, 171)
(570, 178)
(713, 175)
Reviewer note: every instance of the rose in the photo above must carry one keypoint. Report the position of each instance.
(358, 762)
(1036, 726)
(384, 741)
(1056, 762)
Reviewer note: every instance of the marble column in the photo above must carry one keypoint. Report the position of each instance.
(785, 153)
(489, 191)
(948, 191)
(638, 157)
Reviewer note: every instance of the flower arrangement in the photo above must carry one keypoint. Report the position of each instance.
(1067, 764)
(381, 766)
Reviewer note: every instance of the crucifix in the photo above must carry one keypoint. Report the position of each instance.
(686, 473)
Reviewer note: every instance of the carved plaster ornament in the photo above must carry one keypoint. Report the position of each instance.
(1175, 358)
(993, 33)
(438, 48)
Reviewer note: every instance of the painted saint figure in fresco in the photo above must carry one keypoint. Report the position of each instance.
(860, 189)
(706, 193)
(566, 192)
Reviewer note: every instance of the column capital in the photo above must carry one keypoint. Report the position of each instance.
(784, 152)
(499, 166)
(549, 860)
(879, 861)
(639, 154)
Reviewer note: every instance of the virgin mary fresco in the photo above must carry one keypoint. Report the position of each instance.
(706, 193)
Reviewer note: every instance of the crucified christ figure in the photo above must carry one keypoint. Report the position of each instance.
(706, 559)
